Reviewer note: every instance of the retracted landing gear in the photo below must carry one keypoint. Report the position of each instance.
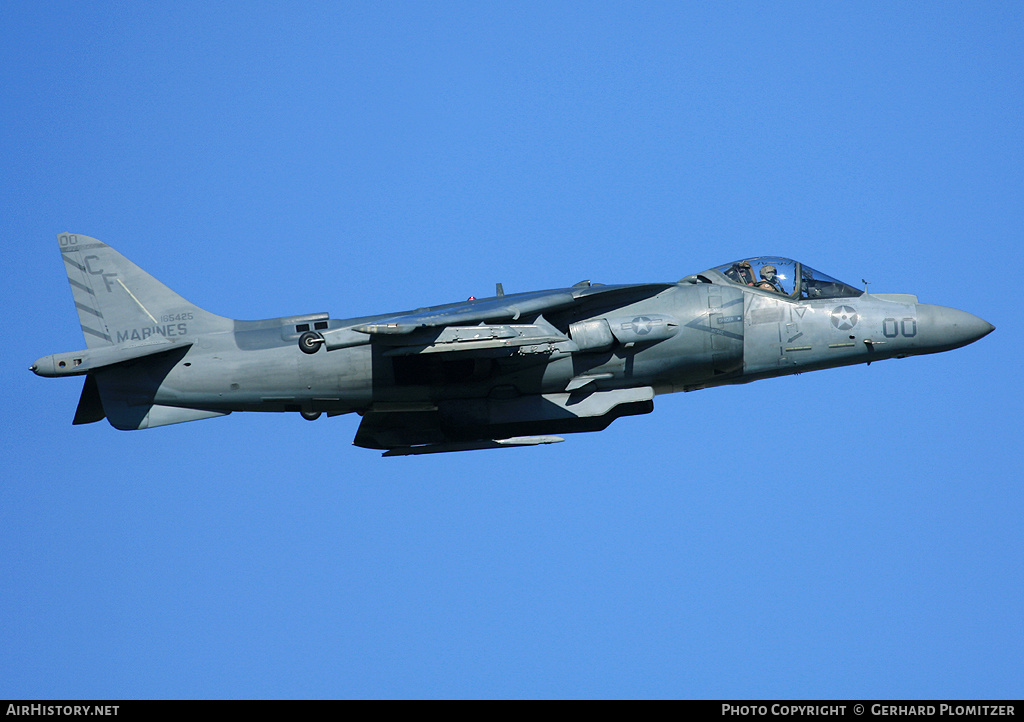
(310, 342)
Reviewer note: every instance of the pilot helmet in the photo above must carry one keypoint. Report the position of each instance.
(767, 271)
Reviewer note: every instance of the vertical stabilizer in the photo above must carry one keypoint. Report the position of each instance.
(119, 303)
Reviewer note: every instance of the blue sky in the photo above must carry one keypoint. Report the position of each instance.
(846, 533)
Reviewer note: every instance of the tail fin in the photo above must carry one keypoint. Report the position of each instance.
(120, 303)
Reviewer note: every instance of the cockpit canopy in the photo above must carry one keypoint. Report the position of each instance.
(786, 277)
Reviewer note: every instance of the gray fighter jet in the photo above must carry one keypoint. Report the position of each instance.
(512, 370)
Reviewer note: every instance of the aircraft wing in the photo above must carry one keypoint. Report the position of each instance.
(478, 329)
(504, 308)
(465, 424)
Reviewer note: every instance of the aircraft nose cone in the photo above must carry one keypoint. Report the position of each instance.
(944, 328)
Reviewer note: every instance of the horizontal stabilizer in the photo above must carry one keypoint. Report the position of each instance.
(76, 363)
(129, 418)
(128, 395)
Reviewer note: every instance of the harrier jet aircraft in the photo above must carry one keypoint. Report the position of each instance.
(512, 370)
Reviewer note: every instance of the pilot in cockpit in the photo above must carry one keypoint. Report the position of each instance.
(769, 280)
(741, 272)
